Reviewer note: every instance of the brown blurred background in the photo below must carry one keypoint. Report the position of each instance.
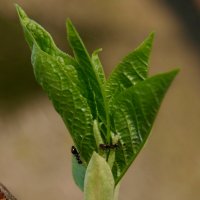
(34, 143)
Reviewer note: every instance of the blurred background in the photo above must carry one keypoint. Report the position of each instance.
(34, 143)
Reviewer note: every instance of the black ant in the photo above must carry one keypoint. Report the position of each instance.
(108, 146)
(76, 154)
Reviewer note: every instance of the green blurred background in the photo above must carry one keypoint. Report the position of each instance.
(34, 143)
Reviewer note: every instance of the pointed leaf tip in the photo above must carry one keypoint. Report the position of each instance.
(134, 112)
(152, 35)
(173, 73)
(90, 71)
(20, 12)
(131, 70)
(69, 24)
(69, 20)
(176, 71)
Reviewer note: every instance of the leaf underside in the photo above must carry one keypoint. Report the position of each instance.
(99, 183)
(78, 172)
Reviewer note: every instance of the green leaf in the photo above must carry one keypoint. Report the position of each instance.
(99, 181)
(57, 73)
(133, 113)
(130, 71)
(96, 98)
(78, 172)
(34, 33)
(60, 81)
(98, 66)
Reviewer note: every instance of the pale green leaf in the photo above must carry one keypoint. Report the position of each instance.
(99, 181)
(116, 192)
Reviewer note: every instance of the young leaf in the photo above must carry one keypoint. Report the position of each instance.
(98, 67)
(130, 71)
(93, 80)
(57, 74)
(99, 182)
(61, 83)
(34, 33)
(133, 113)
(78, 172)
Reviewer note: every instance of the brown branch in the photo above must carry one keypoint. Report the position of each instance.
(5, 193)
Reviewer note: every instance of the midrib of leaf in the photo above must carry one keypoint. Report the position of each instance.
(98, 66)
